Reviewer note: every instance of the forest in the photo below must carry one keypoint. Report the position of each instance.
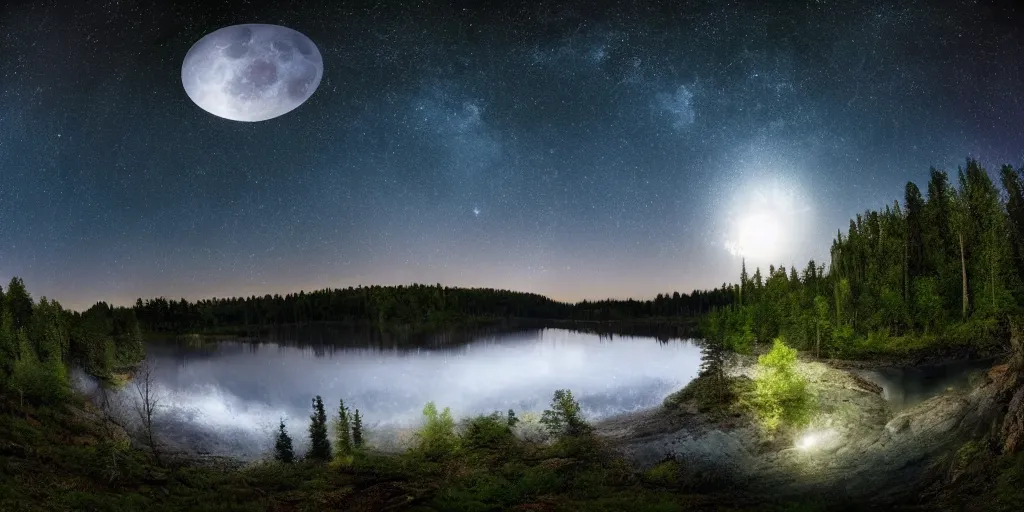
(939, 272)
(38, 339)
(415, 305)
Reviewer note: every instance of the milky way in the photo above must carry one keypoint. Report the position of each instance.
(558, 149)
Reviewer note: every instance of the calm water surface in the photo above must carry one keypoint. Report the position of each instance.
(227, 397)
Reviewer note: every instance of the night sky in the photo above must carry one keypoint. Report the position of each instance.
(565, 150)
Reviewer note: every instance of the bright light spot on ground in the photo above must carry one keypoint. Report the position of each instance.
(817, 440)
(807, 442)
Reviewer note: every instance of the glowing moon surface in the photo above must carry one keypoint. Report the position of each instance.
(767, 221)
(251, 72)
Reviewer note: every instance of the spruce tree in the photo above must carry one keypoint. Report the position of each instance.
(283, 451)
(18, 302)
(357, 430)
(343, 431)
(9, 350)
(319, 445)
(511, 419)
(712, 366)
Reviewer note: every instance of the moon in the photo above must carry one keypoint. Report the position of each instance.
(251, 72)
(769, 220)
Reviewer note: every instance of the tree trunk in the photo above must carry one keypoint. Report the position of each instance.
(963, 275)
(992, 276)
(906, 272)
(817, 340)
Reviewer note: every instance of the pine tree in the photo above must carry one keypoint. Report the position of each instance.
(712, 366)
(319, 445)
(744, 279)
(357, 430)
(283, 451)
(511, 419)
(565, 417)
(1014, 188)
(343, 433)
(18, 302)
(9, 350)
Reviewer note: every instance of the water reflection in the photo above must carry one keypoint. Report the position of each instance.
(227, 397)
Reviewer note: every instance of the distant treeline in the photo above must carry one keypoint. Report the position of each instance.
(38, 340)
(412, 305)
(941, 271)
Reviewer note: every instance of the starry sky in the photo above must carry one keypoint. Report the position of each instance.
(560, 148)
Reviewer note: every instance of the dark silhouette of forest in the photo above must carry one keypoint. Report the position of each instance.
(941, 271)
(415, 305)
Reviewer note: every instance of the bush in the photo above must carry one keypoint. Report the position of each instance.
(437, 438)
(38, 382)
(491, 431)
(708, 393)
(564, 417)
(780, 394)
(1009, 492)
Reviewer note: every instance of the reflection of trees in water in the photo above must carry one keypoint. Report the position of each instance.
(326, 339)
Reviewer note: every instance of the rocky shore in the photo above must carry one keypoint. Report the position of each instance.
(855, 447)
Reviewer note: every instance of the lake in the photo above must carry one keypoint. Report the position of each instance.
(226, 398)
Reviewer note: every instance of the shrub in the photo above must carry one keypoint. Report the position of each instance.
(780, 394)
(710, 394)
(1009, 492)
(564, 417)
(38, 382)
(437, 437)
(491, 431)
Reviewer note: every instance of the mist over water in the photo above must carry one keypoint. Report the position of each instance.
(226, 398)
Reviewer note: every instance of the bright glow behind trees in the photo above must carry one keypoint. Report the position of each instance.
(767, 222)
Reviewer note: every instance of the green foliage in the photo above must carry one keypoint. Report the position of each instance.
(712, 371)
(343, 432)
(939, 272)
(319, 444)
(437, 438)
(283, 450)
(966, 454)
(1009, 491)
(564, 418)
(9, 349)
(357, 430)
(19, 303)
(780, 393)
(511, 419)
(708, 394)
(491, 431)
(36, 381)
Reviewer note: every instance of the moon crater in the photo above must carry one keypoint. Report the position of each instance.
(251, 72)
